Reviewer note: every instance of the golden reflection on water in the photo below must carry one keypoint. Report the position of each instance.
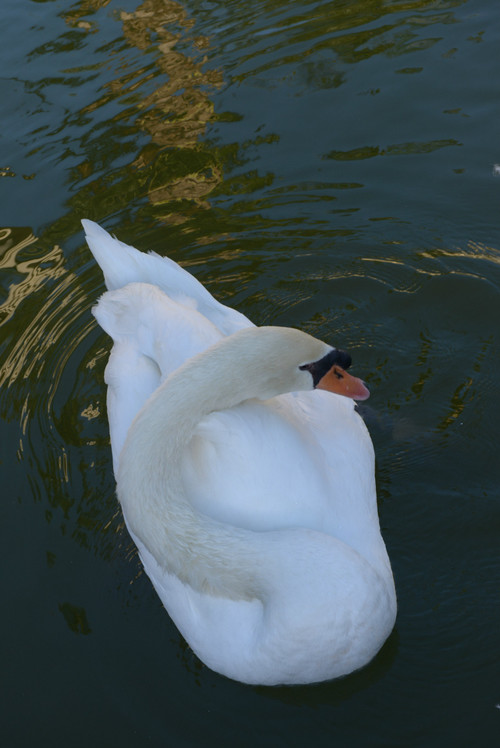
(44, 320)
(45, 300)
(173, 170)
(83, 8)
(176, 113)
(9, 248)
(45, 296)
(32, 343)
(165, 96)
(472, 250)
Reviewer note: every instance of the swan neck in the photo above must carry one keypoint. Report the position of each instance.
(151, 491)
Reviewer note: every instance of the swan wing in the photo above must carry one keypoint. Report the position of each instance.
(122, 264)
(152, 335)
(299, 460)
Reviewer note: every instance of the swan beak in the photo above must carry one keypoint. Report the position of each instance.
(339, 381)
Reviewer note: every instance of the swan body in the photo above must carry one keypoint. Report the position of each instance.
(248, 490)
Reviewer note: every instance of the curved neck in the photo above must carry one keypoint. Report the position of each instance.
(210, 556)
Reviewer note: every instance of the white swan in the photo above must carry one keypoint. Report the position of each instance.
(254, 512)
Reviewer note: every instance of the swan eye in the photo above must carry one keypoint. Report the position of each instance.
(319, 368)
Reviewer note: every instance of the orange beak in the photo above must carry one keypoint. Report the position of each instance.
(339, 381)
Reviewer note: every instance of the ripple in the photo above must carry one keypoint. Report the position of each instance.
(51, 342)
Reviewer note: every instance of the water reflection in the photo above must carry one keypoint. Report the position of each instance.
(353, 32)
(45, 330)
(80, 10)
(396, 149)
(280, 199)
(49, 337)
(76, 618)
(164, 94)
(13, 241)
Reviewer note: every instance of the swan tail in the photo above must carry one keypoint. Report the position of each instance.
(122, 264)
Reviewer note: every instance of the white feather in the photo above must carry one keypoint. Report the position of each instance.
(294, 473)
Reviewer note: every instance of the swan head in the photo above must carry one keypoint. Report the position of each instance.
(282, 359)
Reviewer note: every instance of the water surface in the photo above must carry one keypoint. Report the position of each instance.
(326, 165)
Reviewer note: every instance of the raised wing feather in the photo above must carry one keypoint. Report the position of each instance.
(123, 264)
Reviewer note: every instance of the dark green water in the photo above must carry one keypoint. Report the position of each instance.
(326, 165)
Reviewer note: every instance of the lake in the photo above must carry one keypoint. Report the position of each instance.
(332, 166)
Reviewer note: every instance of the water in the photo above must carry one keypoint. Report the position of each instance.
(327, 165)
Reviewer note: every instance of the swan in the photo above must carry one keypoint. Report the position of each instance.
(245, 477)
